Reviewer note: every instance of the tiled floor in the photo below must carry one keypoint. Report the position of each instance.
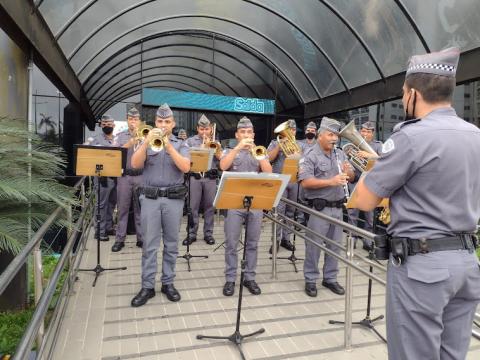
(101, 324)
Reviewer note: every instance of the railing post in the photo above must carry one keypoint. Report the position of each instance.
(348, 296)
(38, 286)
(274, 244)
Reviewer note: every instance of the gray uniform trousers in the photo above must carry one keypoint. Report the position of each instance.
(312, 252)
(125, 195)
(202, 189)
(353, 218)
(105, 202)
(160, 219)
(431, 302)
(233, 227)
(284, 209)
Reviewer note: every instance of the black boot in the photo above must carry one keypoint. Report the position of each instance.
(171, 292)
(142, 297)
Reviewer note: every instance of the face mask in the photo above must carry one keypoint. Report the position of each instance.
(310, 136)
(107, 130)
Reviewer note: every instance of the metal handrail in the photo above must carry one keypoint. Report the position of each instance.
(14, 267)
(22, 351)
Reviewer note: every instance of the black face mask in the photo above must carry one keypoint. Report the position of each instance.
(107, 130)
(310, 136)
(410, 116)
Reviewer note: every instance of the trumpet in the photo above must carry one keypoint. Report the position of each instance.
(289, 146)
(142, 131)
(259, 152)
(157, 143)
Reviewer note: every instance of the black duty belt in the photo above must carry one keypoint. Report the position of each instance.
(173, 192)
(133, 172)
(423, 246)
(210, 174)
(320, 204)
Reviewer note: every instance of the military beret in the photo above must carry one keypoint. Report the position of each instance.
(368, 125)
(311, 125)
(133, 112)
(203, 121)
(164, 111)
(292, 124)
(182, 131)
(244, 122)
(443, 62)
(330, 125)
(107, 118)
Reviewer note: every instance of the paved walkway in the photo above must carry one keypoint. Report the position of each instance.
(101, 324)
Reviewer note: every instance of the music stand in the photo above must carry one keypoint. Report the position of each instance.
(367, 321)
(200, 161)
(247, 191)
(99, 161)
(290, 167)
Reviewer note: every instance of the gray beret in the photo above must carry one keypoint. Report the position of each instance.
(330, 125)
(292, 124)
(244, 122)
(368, 125)
(203, 121)
(311, 125)
(182, 131)
(133, 112)
(443, 62)
(164, 111)
(106, 118)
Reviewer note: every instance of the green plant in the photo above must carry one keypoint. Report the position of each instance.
(12, 327)
(29, 191)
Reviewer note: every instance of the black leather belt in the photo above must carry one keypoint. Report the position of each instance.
(320, 204)
(211, 174)
(133, 172)
(459, 242)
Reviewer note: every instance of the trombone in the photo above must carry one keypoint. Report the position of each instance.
(212, 143)
(288, 145)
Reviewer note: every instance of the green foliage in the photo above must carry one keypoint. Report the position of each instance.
(14, 323)
(25, 198)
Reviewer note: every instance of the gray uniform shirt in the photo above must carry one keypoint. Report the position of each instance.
(160, 170)
(277, 164)
(319, 165)
(197, 141)
(429, 169)
(243, 161)
(306, 146)
(376, 146)
(121, 139)
(102, 140)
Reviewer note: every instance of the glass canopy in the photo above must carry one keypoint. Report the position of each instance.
(296, 52)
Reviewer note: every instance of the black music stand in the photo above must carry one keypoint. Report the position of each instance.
(99, 161)
(201, 160)
(246, 191)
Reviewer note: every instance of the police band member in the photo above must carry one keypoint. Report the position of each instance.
(203, 186)
(161, 199)
(367, 131)
(306, 144)
(429, 170)
(126, 184)
(107, 198)
(324, 189)
(240, 159)
(277, 157)
(182, 134)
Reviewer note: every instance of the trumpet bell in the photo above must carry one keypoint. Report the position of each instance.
(259, 152)
(157, 143)
(214, 145)
(143, 131)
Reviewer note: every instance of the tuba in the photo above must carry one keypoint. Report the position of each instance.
(289, 146)
(357, 143)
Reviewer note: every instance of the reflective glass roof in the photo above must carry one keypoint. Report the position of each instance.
(297, 51)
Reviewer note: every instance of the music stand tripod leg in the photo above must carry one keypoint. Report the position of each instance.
(237, 337)
(98, 269)
(187, 256)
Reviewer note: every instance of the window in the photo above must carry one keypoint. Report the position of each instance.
(467, 107)
(466, 96)
(400, 106)
(394, 117)
(394, 105)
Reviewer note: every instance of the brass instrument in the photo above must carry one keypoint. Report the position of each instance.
(340, 171)
(142, 131)
(288, 145)
(212, 144)
(357, 143)
(157, 143)
(259, 152)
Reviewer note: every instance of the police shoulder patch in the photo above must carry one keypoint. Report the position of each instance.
(388, 146)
